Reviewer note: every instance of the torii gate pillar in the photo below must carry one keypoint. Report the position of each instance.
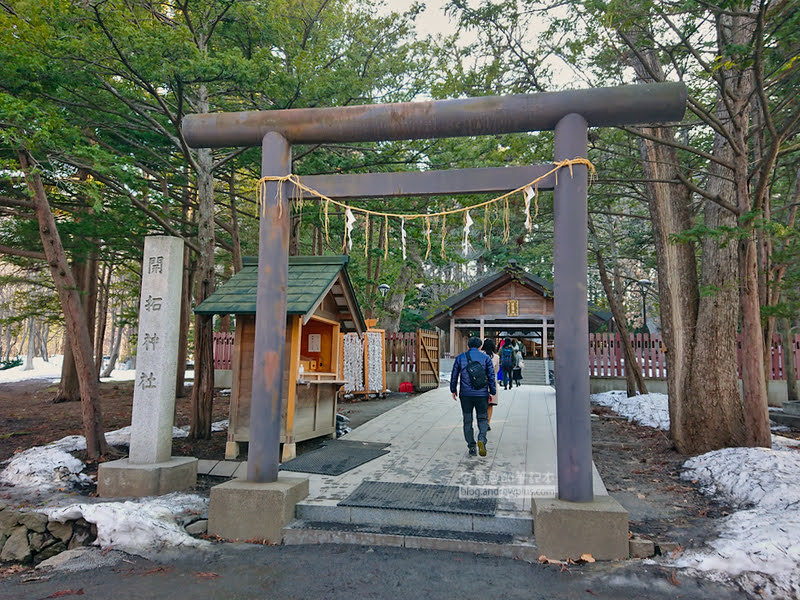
(570, 241)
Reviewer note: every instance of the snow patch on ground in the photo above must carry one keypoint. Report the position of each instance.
(651, 410)
(50, 467)
(141, 527)
(51, 369)
(44, 468)
(748, 477)
(758, 546)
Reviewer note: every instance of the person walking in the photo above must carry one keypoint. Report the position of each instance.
(517, 373)
(508, 360)
(474, 371)
(488, 348)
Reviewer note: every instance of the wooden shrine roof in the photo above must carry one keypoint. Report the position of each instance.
(310, 279)
(510, 274)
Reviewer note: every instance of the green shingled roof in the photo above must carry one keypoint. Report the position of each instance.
(309, 278)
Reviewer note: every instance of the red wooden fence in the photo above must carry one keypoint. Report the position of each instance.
(606, 357)
(223, 350)
(401, 352)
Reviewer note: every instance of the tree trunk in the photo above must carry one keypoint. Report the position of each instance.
(633, 371)
(102, 319)
(236, 241)
(69, 389)
(788, 359)
(74, 316)
(294, 235)
(717, 420)
(395, 301)
(203, 389)
(90, 304)
(739, 88)
(186, 315)
(699, 331)
(29, 359)
(43, 334)
(113, 354)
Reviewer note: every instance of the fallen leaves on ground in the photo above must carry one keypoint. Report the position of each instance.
(585, 558)
(158, 570)
(672, 579)
(207, 575)
(60, 593)
(12, 570)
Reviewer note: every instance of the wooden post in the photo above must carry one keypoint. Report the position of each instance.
(296, 331)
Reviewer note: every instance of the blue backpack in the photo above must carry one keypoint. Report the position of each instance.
(507, 359)
(477, 374)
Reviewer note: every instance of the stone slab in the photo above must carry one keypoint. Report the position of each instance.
(785, 419)
(792, 408)
(204, 466)
(224, 468)
(519, 551)
(123, 479)
(323, 512)
(514, 523)
(243, 510)
(569, 529)
(292, 537)
(641, 547)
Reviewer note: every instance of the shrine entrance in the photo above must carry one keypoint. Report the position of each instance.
(568, 114)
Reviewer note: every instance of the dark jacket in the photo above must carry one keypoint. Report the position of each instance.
(460, 371)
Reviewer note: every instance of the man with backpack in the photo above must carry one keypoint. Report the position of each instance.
(508, 360)
(474, 370)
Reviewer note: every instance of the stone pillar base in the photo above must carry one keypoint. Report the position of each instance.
(569, 529)
(242, 510)
(288, 451)
(123, 479)
(232, 450)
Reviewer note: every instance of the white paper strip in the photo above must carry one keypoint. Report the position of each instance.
(349, 221)
(528, 195)
(467, 225)
(403, 236)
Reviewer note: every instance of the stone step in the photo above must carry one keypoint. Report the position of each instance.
(501, 523)
(301, 531)
(783, 418)
(534, 372)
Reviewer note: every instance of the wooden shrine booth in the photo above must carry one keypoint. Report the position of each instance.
(510, 301)
(321, 305)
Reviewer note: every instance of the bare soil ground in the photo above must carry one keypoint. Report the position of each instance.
(638, 465)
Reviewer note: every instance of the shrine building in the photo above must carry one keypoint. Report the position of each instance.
(509, 303)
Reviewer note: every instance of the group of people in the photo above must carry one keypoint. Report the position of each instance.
(478, 370)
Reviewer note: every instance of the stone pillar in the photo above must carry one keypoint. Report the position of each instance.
(576, 522)
(157, 351)
(150, 469)
(574, 433)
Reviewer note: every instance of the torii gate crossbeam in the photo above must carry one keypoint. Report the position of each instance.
(568, 113)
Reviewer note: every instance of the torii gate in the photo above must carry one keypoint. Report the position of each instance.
(568, 113)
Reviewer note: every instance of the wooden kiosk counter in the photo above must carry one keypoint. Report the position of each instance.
(320, 305)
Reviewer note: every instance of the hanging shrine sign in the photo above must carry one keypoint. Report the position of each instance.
(567, 113)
